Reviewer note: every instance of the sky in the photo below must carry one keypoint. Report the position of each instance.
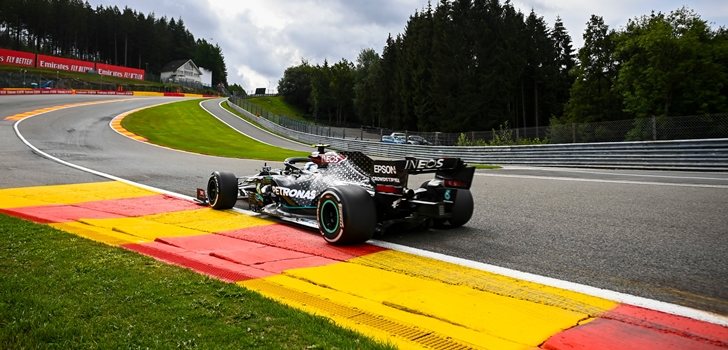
(261, 38)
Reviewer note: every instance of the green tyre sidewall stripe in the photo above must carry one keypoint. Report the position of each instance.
(329, 231)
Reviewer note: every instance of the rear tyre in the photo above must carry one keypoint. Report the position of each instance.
(346, 215)
(462, 211)
(222, 190)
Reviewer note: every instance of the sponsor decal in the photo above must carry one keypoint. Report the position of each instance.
(385, 169)
(332, 157)
(294, 193)
(423, 164)
(385, 179)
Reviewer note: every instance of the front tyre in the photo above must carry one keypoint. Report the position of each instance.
(222, 190)
(346, 215)
(462, 211)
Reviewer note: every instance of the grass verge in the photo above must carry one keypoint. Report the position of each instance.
(185, 126)
(276, 105)
(486, 166)
(227, 107)
(62, 291)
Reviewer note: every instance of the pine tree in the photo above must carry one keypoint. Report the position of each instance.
(565, 62)
(592, 98)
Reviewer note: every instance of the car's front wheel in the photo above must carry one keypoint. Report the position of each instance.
(222, 190)
(346, 215)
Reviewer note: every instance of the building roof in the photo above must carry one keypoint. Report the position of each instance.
(174, 65)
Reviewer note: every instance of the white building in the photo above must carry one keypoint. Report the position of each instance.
(181, 71)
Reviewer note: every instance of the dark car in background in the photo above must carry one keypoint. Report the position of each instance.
(417, 140)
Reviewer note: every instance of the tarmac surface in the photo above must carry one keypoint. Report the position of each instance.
(654, 234)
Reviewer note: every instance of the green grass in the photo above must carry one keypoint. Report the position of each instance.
(59, 291)
(485, 166)
(276, 105)
(226, 106)
(186, 126)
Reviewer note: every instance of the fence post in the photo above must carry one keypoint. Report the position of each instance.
(343, 133)
(573, 133)
(654, 128)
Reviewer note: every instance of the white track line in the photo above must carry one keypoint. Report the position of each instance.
(567, 170)
(576, 287)
(598, 292)
(556, 178)
(106, 175)
(259, 128)
(242, 133)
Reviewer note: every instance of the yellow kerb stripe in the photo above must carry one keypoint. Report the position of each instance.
(419, 294)
(68, 194)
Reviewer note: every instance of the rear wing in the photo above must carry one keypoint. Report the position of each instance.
(395, 173)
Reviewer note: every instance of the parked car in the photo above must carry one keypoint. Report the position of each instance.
(399, 136)
(417, 140)
(390, 139)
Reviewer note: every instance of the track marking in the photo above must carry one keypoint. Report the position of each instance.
(615, 174)
(602, 293)
(575, 287)
(626, 182)
(24, 115)
(253, 125)
(115, 124)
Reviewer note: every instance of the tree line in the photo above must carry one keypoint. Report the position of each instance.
(72, 28)
(480, 64)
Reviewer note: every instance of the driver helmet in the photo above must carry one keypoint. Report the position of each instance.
(310, 167)
(315, 157)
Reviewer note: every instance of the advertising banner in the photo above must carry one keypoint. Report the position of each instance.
(17, 58)
(119, 71)
(65, 64)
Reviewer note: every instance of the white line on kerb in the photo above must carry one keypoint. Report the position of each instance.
(627, 182)
(598, 292)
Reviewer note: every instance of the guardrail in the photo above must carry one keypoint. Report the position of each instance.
(706, 154)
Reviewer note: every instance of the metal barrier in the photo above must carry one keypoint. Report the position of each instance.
(706, 154)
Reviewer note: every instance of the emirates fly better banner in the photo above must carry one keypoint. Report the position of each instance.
(17, 58)
(27, 59)
(120, 72)
(65, 64)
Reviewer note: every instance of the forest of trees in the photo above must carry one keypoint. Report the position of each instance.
(479, 64)
(72, 28)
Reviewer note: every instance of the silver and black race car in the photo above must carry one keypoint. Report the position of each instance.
(349, 196)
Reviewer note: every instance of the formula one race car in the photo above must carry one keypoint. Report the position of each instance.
(348, 196)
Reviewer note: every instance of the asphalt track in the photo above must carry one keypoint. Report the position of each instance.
(660, 235)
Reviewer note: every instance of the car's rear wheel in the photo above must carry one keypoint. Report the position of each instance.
(222, 190)
(462, 211)
(346, 215)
